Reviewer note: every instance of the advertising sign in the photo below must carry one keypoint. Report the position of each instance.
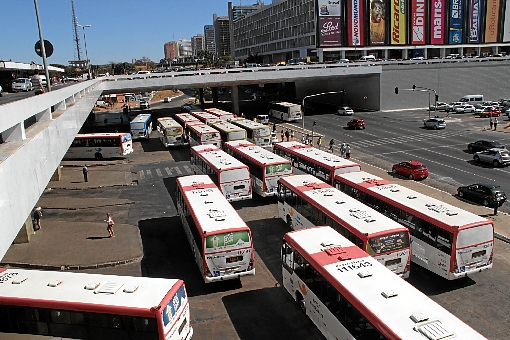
(418, 21)
(474, 20)
(225, 241)
(377, 22)
(456, 9)
(491, 21)
(279, 169)
(398, 22)
(329, 22)
(437, 21)
(355, 36)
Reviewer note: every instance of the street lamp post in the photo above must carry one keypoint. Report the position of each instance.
(86, 51)
(422, 89)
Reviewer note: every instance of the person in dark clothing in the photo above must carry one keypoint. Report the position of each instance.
(85, 173)
(37, 218)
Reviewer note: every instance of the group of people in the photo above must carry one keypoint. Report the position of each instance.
(345, 149)
(493, 123)
(288, 135)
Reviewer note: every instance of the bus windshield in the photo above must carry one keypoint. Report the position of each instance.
(387, 243)
(175, 131)
(263, 132)
(236, 135)
(227, 241)
(135, 126)
(233, 175)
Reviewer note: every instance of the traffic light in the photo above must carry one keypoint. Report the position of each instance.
(437, 97)
(414, 87)
(314, 123)
(396, 90)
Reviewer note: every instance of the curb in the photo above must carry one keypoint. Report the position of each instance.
(72, 267)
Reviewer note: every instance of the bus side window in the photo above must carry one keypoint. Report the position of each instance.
(287, 257)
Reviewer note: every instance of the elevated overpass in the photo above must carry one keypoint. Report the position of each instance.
(37, 131)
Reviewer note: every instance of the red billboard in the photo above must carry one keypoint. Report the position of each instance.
(329, 14)
(437, 22)
(418, 21)
(355, 36)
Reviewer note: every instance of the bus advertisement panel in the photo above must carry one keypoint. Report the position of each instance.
(304, 201)
(66, 305)
(446, 240)
(221, 241)
(100, 145)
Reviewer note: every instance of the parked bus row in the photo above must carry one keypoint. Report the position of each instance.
(348, 294)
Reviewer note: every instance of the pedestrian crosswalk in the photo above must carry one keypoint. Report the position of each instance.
(147, 174)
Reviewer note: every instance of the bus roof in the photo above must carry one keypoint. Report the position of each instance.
(93, 292)
(249, 124)
(226, 126)
(205, 117)
(210, 208)
(425, 206)
(217, 158)
(398, 309)
(186, 118)
(168, 122)
(342, 207)
(287, 104)
(102, 135)
(256, 153)
(220, 113)
(141, 118)
(203, 128)
(321, 157)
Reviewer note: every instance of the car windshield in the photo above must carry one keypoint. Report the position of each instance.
(19, 81)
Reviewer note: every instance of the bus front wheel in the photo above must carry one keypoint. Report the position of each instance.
(289, 223)
(301, 303)
(98, 156)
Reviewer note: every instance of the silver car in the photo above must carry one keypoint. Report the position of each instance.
(434, 123)
(22, 84)
(496, 157)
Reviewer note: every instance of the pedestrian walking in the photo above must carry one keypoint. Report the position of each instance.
(287, 135)
(109, 225)
(319, 142)
(291, 134)
(331, 145)
(342, 150)
(347, 151)
(282, 134)
(37, 83)
(495, 124)
(37, 218)
(85, 171)
(490, 123)
(307, 142)
(274, 127)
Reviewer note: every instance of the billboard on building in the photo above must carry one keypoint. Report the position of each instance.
(456, 12)
(474, 21)
(398, 22)
(418, 21)
(437, 22)
(355, 36)
(491, 21)
(377, 22)
(506, 24)
(329, 15)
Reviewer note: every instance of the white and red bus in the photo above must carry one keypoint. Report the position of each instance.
(257, 133)
(186, 119)
(205, 117)
(100, 145)
(305, 201)
(230, 175)
(446, 240)
(266, 168)
(221, 114)
(320, 163)
(200, 134)
(49, 304)
(221, 241)
(347, 294)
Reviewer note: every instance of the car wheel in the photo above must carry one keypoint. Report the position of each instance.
(461, 194)
(289, 223)
(435, 127)
(477, 159)
(495, 164)
(394, 171)
(410, 176)
(470, 148)
(486, 202)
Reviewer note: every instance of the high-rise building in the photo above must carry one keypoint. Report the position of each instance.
(197, 44)
(210, 46)
(184, 47)
(170, 50)
(221, 35)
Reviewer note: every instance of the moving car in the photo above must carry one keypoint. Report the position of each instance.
(411, 169)
(167, 100)
(434, 123)
(485, 193)
(485, 144)
(497, 157)
(345, 111)
(441, 106)
(356, 123)
(145, 103)
(465, 108)
(22, 84)
(489, 111)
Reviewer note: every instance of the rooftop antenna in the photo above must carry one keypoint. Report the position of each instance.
(75, 32)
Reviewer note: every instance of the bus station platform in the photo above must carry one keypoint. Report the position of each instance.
(73, 233)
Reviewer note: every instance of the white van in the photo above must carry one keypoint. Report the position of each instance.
(472, 99)
(367, 58)
(263, 119)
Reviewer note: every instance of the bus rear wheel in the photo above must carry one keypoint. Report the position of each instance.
(301, 303)
(289, 223)
(98, 156)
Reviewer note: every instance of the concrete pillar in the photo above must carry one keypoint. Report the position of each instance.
(442, 52)
(215, 95)
(405, 53)
(425, 53)
(461, 51)
(235, 99)
(495, 50)
(479, 50)
(61, 106)
(342, 54)
(386, 54)
(44, 115)
(320, 55)
(17, 132)
(26, 232)
(57, 174)
(201, 96)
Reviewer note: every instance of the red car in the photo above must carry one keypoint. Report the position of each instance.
(490, 111)
(411, 169)
(356, 123)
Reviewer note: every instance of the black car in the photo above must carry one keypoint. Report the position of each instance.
(485, 144)
(484, 193)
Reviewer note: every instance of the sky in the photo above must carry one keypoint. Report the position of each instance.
(121, 30)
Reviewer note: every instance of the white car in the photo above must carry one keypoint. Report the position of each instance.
(481, 109)
(345, 111)
(496, 157)
(434, 123)
(22, 84)
(465, 108)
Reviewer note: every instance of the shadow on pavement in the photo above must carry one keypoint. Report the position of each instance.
(431, 284)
